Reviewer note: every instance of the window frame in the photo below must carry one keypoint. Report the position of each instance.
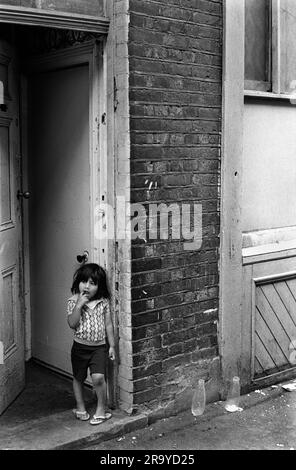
(258, 88)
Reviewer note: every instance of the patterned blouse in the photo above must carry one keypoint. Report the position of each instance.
(91, 329)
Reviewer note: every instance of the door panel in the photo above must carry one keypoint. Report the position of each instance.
(272, 315)
(5, 215)
(11, 303)
(59, 175)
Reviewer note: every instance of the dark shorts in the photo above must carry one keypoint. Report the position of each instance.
(84, 357)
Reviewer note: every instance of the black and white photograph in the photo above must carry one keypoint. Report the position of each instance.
(147, 228)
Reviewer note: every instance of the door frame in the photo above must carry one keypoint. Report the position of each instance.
(232, 337)
(111, 29)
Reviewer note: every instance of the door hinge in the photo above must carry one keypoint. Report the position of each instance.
(115, 94)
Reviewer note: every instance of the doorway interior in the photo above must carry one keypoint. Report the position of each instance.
(53, 180)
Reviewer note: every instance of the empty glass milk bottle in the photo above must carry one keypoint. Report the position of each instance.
(233, 396)
(199, 399)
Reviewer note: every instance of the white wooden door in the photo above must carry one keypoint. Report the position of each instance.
(59, 175)
(11, 305)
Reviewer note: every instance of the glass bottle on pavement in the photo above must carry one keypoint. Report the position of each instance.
(233, 396)
(199, 399)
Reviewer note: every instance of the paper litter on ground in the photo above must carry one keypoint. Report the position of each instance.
(291, 387)
(233, 408)
(259, 391)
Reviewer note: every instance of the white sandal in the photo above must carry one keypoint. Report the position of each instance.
(82, 415)
(100, 419)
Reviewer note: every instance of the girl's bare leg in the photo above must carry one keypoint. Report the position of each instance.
(78, 393)
(99, 385)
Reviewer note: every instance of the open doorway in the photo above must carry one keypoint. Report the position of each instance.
(52, 114)
(57, 147)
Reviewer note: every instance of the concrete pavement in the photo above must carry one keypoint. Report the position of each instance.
(41, 418)
(268, 425)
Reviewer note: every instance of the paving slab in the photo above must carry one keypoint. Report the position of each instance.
(62, 431)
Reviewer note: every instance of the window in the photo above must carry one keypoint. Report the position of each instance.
(270, 46)
(257, 45)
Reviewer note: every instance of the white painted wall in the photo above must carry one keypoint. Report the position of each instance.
(269, 166)
(60, 204)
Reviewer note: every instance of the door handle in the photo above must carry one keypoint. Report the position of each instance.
(25, 194)
(83, 258)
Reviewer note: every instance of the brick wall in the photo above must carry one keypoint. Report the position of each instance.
(175, 78)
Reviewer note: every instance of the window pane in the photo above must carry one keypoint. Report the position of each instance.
(257, 40)
(288, 41)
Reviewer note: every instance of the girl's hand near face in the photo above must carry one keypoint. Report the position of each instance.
(83, 298)
(74, 317)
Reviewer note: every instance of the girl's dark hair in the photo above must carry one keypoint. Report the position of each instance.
(97, 274)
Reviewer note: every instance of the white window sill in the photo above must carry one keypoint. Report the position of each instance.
(270, 244)
(269, 236)
(270, 95)
(269, 248)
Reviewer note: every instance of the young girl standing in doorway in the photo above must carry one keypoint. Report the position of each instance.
(89, 316)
